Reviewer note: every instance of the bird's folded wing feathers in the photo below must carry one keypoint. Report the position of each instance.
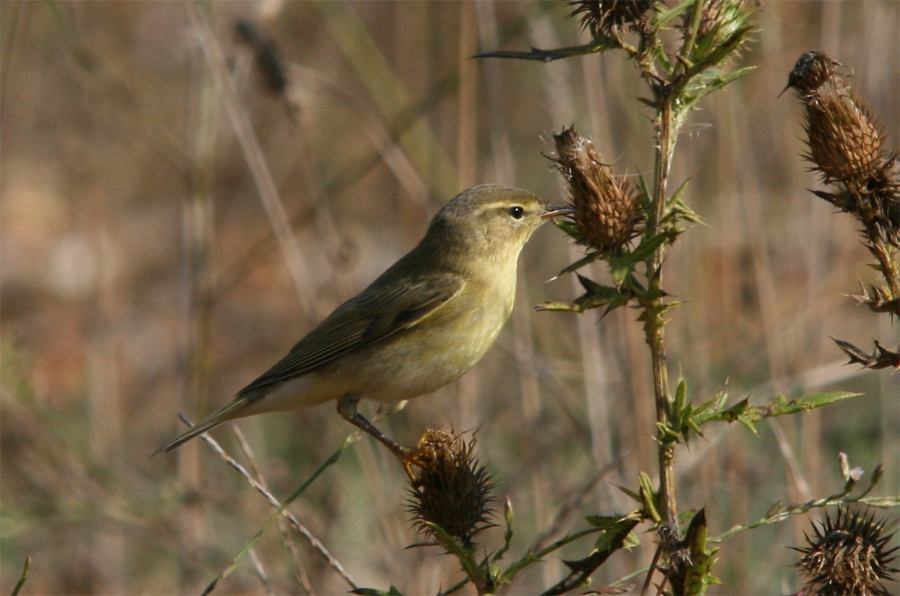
(373, 315)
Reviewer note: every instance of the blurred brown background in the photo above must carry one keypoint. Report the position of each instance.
(140, 277)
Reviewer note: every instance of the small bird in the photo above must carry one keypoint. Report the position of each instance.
(427, 320)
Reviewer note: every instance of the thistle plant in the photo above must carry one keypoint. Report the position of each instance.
(847, 148)
(630, 226)
(630, 223)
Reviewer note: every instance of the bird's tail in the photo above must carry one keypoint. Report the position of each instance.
(225, 414)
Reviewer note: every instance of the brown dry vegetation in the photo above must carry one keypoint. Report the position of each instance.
(140, 278)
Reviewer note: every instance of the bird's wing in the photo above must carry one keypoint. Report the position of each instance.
(373, 315)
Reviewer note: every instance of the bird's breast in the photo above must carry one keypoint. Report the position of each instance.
(439, 349)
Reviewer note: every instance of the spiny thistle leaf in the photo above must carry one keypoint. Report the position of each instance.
(882, 357)
(691, 563)
(748, 415)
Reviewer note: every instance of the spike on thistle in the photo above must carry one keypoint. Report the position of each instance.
(847, 555)
(449, 487)
(609, 17)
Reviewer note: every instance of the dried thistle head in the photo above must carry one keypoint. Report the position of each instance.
(811, 70)
(847, 555)
(607, 207)
(449, 487)
(609, 17)
(846, 145)
(844, 140)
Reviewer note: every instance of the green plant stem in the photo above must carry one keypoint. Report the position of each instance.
(23, 577)
(274, 517)
(655, 309)
(885, 256)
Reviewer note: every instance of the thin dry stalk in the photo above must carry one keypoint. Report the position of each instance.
(574, 501)
(260, 571)
(302, 576)
(256, 161)
(316, 544)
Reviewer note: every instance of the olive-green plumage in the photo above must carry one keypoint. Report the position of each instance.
(424, 322)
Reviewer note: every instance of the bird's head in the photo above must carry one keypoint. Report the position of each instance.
(490, 221)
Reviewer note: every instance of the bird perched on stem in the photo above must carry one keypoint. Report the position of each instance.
(428, 319)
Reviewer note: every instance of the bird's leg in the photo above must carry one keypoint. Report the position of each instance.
(347, 409)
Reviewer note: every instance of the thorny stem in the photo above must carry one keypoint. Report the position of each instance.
(889, 270)
(655, 308)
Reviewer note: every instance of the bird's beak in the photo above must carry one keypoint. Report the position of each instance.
(552, 212)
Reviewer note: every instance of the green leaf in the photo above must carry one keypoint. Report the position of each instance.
(559, 306)
(566, 226)
(597, 295)
(454, 588)
(733, 76)
(680, 399)
(630, 493)
(647, 246)
(719, 52)
(693, 574)
(620, 267)
(779, 406)
(675, 199)
(605, 522)
(631, 541)
(586, 260)
(611, 540)
(646, 197)
(664, 17)
(686, 515)
(667, 434)
(649, 498)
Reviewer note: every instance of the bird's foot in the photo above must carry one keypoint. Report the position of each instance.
(347, 409)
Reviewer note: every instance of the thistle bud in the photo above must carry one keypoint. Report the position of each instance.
(449, 487)
(847, 555)
(607, 207)
(720, 18)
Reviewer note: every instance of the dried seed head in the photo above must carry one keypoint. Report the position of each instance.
(844, 141)
(607, 207)
(847, 555)
(846, 145)
(811, 70)
(449, 487)
(608, 17)
(268, 56)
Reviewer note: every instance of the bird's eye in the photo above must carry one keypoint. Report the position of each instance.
(516, 212)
